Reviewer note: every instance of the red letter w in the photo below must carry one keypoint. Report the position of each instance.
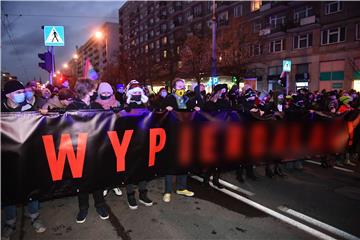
(65, 150)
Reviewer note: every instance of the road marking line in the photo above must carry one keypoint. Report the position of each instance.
(319, 224)
(272, 213)
(338, 168)
(314, 162)
(234, 187)
(343, 169)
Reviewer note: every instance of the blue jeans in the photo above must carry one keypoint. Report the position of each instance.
(181, 182)
(10, 212)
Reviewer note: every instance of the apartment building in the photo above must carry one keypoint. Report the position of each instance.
(322, 39)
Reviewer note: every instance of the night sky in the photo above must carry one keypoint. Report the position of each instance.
(79, 18)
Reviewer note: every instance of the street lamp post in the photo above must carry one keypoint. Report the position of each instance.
(213, 55)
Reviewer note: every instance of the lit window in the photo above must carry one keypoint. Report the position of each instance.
(255, 5)
(164, 40)
(165, 54)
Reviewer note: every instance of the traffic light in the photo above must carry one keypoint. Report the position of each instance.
(47, 58)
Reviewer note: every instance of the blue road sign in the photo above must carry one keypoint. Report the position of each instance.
(54, 36)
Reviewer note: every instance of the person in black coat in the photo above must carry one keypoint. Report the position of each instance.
(177, 101)
(160, 100)
(84, 90)
(136, 98)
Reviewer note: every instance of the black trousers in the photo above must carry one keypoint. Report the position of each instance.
(83, 198)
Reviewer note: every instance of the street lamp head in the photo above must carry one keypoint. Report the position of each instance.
(75, 56)
(65, 65)
(99, 35)
(57, 72)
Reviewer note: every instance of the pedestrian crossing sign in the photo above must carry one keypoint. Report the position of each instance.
(54, 36)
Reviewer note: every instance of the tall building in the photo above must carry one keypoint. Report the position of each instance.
(102, 49)
(322, 40)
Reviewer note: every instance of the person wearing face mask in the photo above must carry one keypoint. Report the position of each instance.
(105, 96)
(84, 89)
(135, 95)
(15, 102)
(160, 100)
(60, 101)
(136, 98)
(120, 94)
(31, 97)
(177, 101)
(200, 96)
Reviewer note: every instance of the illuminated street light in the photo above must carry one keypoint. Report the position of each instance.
(75, 56)
(54, 75)
(65, 65)
(99, 35)
(57, 72)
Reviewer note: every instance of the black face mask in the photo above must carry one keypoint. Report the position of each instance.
(136, 98)
(105, 97)
(94, 96)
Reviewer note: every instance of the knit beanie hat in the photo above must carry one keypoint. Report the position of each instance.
(12, 86)
(105, 87)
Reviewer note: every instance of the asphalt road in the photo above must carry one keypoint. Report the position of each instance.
(331, 196)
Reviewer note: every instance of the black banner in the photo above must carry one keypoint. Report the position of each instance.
(51, 156)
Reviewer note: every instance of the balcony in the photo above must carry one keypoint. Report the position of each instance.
(308, 20)
(265, 31)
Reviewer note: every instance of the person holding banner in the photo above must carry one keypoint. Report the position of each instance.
(84, 89)
(16, 102)
(177, 100)
(136, 98)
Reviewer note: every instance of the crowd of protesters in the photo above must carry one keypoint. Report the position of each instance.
(89, 94)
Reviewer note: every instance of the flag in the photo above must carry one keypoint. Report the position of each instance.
(89, 71)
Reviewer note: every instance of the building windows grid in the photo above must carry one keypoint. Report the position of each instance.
(303, 12)
(238, 11)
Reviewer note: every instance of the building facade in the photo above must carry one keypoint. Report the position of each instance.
(322, 40)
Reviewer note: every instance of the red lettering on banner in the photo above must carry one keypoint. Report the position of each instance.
(120, 149)
(185, 144)
(279, 141)
(207, 143)
(234, 142)
(295, 139)
(258, 140)
(153, 147)
(316, 138)
(56, 164)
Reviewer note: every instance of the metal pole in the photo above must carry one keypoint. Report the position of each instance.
(213, 55)
(287, 82)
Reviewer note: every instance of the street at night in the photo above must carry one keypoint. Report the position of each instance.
(180, 120)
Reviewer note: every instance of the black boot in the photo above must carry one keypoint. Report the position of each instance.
(239, 174)
(250, 173)
(268, 172)
(132, 201)
(143, 198)
(278, 171)
(206, 178)
(216, 177)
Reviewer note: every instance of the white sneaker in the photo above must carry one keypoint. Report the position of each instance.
(167, 197)
(117, 191)
(105, 193)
